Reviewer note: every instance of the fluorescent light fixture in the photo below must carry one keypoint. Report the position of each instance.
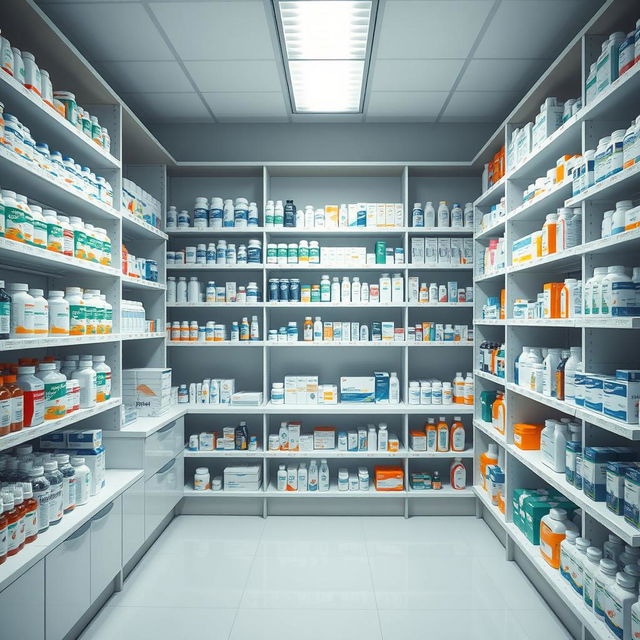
(326, 46)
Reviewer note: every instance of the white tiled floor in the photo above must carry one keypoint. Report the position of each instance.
(240, 578)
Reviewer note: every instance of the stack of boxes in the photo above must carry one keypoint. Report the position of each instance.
(243, 478)
(147, 390)
(531, 505)
(439, 250)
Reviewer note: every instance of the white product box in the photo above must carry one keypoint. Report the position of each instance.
(414, 288)
(387, 331)
(293, 429)
(301, 389)
(324, 438)
(621, 396)
(399, 215)
(380, 214)
(230, 291)
(417, 251)
(243, 478)
(247, 398)
(206, 442)
(457, 250)
(227, 389)
(352, 214)
(147, 390)
(55, 440)
(468, 250)
(328, 394)
(95, 459)
(431, 250)
(357, 389)
(389, 214)
(594, 391)
(444, 250)
(372, 214)
(86, 439)
(306, 443)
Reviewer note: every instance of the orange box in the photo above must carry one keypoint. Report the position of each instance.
(503, 305)
(527, 436)
(561, 164)
(552, 293)
(389, 478)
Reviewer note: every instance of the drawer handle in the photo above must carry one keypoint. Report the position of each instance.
(103, 513)
(167, 427)
(167, 466)
(80, 532)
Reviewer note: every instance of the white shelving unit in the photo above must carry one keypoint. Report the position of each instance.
(256, 365)
(606, 343)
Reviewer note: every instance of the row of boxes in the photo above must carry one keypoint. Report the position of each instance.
(531, 505)
(147, 390)
(441, 250)
(614, 396)
(243, 478)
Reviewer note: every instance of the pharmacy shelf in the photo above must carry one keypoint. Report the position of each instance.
(215, 305)
(213, 231)
(398, 344)
(599, 510)
(439, 266)
(369, 409)
(210, 409)
(483, 496)
(67, 341)
(440, 231)
(334, 492)
(489, 376)
(560, 586)
(146, 425)
(220, 453)
(219, 343)
(630, 431)
(437, 305)
(116, 482)
(620, 185)
(217, 267)
(335, 453)
(491, 431)
(134, 227)
(337, 305)
(492, 195)
(410, 453)
(541, 322)
(446, 492)
(190, 492)
(24, 177)
(538, 208)
(335, 267)
(129, 282)
(29, 433)
(27, 257)
(152, 335)
(582, 322)
(497, 275)
(562, 262)
(339, 231)
(47, 124)
(495, 230)
(490, 322)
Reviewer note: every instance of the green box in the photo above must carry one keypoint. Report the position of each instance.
(518, 496)
(381, 252)
(535, 508)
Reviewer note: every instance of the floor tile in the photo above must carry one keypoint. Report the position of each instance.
(300, 624)
(153, 623)
(309, 582)
(185, 582)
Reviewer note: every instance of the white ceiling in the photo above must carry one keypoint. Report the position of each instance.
(219, 60)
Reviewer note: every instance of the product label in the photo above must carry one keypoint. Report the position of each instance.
(54, 400)
(58, 321)
(40, 234)
(14, 219)
(55, 502)
(67, 242)
(5, 413)
(16, 410)
(31, 523)
(43, 508)
(3, 542)
(103, 386)
(77, 320)
(5, 317)
(588, 589)
(635, 624)
(599, 599)
(33, 407)
(614, 615)
(13, 535)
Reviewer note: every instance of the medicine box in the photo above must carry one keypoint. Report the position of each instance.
(86, 439)
(382, 386)
(243, 478)
(387, 331)
(417, 250)
(324, 438)
(357, 389)
(632, 497)
(615, 476)
(95, 459)
(431, 250)
(594, 391)
(388, 478)
(420, 481)
(56, 440)
(620, 398)
(294, 436)
(457, 251)
(418, 440)
(468, 250)
(301, 389)
(147, 390)
(444, 250)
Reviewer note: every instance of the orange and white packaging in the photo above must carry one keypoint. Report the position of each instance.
(549, 232)
(388, 478)
(331, 215)
(632, 219)
(294, 436)
(553, 530)
(561, 168)
(324, 438)
(503, 303)
(551, 305)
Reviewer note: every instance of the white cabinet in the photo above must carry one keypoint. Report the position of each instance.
(68, 582)
(132, 520)
(162, 446)
(162, 492)
(22, 606)
(106, 546)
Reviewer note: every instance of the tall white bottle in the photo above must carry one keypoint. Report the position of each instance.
(323, 476)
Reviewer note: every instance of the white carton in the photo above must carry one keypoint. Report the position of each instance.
(457, 250)
(380, 214)
(431, 250)
(444, 250)
(414, 288)
(227, 389)
(417, 251)
(468, 250)
(357, 389)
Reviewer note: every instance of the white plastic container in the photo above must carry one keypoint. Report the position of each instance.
(567, 553)
(33, 398)
(553, 529)
(55, 391)
(40, 313)
(620, 597)
(22, 311)
(590, 568)
(617, 292)
(86, 377)
(202, 479)
(77, 312)
(103, 378)
(83, 479)
(282, 478)
(604, 580)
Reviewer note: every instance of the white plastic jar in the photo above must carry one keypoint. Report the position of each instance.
(277, 393)
(617, 292)
(58, 314)
(103, 378)
(596, 290)
(13, 217)
(615, 155)
(343, 480)
(77, 313)
(91, 312)
(202, 479)
(79, 238)
(22, 303)
(92, 299)
(105, 241)
(33, 396)
(86, 377)
(619, 218)
(40, 313)
(55, 390)
(94, 247)
(32, 77)
(39, 238)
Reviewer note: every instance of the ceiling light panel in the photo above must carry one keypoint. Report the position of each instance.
(326, 47)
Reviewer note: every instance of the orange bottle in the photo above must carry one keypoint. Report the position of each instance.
(16, 404)
(490, 456)
(5, 409)
(18, 501)
(499, 413)
(457, 435)
(443, 435)
(14, 516)
(4, 523)
(31, 513)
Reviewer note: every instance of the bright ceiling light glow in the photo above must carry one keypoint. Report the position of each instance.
(325, 48)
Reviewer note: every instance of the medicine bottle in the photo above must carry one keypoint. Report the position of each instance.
(40, 313)
(54, 231)
(5, 409)
(55, 479)
(16, 402)
(86, 377)
(77, 311)
(31, 515)
(21, 311)
(103, 378)
(55, 391)
(67, 236)
(18, 502)
(33, 396)
(5, 313)
(4, 522)
(58, 314)
(13, 517)
(68, 482)
(108, 314)
(83, 480)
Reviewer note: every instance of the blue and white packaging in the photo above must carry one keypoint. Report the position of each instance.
(382, 387)
(95, 459)
(55, 440)
(594, 392)
(358, 389)
(86, 439)
(621, 396)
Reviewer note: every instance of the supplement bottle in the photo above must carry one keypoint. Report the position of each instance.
(55, 391)
(31, 513)
(282, 478)
(323, 476)
(39, 228)
(202, 479)
(553, 529)
(5, 409)
(458, 474)
(16, 403)
(442, 435)
(40, 313)
(56, 482)
(86, 377)
(80, 238)
(18, 501)
(103, 378)
(108, 314)
(5, 313)
(58, 314)
(21, 311)
(14, 217)
(77, 311)
(590, 568)
(54, 231)
(14, 519)
(4, 523)
(620, 597)
(612, 548)
(567, 552)
(68, 482)
(457, 435)
(82, 480)
(33, 396)
(579, 559)
(67, 236)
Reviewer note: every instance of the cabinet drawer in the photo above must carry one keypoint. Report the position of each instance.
(162, 492)
(132, 520)
(68, 583)
(106, 546)
(22, 606)
(162, 446)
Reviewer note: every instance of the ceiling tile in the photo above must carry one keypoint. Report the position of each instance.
(146, 77)
(235, 75)
(432, 29)
(414, 105)
(415, 75)
(266, 106)
(533, 28)
(106, 32)
(501, 74)
(480, 106)
(222, 30)
(165, 107)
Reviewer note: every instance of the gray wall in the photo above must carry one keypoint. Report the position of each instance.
(323, 142)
